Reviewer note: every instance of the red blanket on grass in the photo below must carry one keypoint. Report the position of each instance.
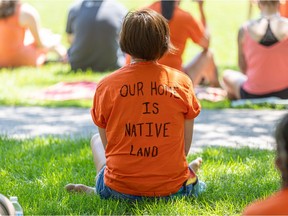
(85, 90)
(67, 91)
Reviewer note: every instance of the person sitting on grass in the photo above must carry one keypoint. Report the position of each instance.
(262, 57)
(283, 8)
(93, 34)
(145, 115)
(277, 203)
(183, 26)
(22, 41)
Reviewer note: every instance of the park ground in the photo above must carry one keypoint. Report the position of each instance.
(45, 144)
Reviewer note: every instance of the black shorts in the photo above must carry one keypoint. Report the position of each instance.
(283, 94)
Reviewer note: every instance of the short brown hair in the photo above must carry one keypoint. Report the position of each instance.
(7, 8)
(281, 135)
(269, 2)
(145, 34)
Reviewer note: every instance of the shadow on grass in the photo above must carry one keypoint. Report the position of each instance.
(239, 176)
(37, 170)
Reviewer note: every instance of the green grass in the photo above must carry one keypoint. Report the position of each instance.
(18, 84)
(36, 170)
(224, 18)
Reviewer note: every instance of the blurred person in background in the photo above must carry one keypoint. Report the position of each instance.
(262, 56)
(283, 8)
(183, 26)
(22, 40)
(276, 204)
(93, 32)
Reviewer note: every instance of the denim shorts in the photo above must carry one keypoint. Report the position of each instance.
(106, 192)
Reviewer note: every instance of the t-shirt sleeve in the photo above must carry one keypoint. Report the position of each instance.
(196, 29)
(101, 107)
(192, 103)
(70, 20)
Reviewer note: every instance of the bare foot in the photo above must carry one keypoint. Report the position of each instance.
(79, 188)
(195, 164)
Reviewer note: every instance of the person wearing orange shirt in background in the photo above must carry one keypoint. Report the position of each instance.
(145, 115)
(277, 203)
(262, 57)
(22, 41)
(284, 8)
(183, 26)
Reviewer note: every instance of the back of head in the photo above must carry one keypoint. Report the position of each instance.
(7, 8)
(281, 135)
(269, 2)
(145, 35)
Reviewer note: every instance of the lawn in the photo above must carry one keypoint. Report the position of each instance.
(18, 84)
(36, 170)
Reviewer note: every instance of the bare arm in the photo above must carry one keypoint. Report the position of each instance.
(29, 18)
(250, 10)
(251, 3)
(204, 43)
(241, 58)
(102, 133)
(201, 10)
(188, 134)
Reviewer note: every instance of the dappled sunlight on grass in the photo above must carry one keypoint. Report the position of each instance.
(36, 170)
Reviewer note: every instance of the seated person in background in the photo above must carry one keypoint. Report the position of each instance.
(262, 57)
(183, 26)
(277, 203)
(93, 29)
(284, 8)
(133, 159)
(22, 41)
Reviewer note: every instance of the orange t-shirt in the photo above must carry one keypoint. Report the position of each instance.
(266, 66)
(143, 107)
(13, 50)
(284, 8)
(273, 205)
(183, 26)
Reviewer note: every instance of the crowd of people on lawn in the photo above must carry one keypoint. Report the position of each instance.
(93, 37)
(145, 109)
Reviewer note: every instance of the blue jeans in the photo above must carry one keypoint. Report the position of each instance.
(106, 192)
